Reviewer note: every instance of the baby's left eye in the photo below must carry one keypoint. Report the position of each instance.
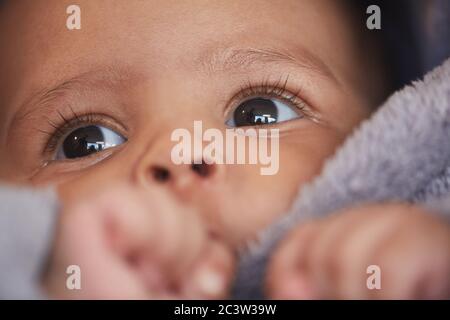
(261, 111)
(88, 140)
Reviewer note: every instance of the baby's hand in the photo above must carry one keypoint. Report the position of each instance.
(131, 245)
(328, 258)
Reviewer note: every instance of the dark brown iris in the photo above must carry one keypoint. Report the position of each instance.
(255, 112)
(83, 142)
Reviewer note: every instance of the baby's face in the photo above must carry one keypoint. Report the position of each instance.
(138, 70)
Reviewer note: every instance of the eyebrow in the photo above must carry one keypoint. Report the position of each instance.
(234, 58)
(103, 78)
(222, 59)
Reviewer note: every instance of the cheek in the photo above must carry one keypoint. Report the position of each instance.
(255, 201)
(85, 184)
(77, 181)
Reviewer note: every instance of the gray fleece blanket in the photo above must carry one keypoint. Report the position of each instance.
(402, 153)
(27, 220)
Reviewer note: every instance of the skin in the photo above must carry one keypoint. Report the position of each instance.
(328, 258)
(127, 54)
(146, 72)
(126, 253)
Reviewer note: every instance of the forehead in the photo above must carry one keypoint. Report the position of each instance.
(162, 35)
(166, 28)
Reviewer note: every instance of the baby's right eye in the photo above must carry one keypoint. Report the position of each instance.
(87, 140)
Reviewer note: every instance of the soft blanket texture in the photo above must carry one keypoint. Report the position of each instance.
(27, 219)
(402, 153)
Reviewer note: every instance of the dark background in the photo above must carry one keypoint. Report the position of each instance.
(415, 35)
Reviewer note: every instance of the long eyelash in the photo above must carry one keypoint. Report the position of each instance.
(65, 125)
(269, 88)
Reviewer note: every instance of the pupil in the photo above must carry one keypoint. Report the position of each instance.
(255, 112)
(83, 142)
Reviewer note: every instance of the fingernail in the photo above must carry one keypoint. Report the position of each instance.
(210, 282)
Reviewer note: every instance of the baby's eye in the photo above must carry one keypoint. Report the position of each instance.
(261, 111)
(87, 140)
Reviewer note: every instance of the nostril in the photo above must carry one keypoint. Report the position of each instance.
(160, 174)
(203, 169)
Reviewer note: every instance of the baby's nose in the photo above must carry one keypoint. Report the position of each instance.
(157, 168)
(163, 174)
